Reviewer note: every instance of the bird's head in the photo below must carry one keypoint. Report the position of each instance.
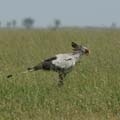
(80, 48)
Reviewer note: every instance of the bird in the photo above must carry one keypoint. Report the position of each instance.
(61, 63)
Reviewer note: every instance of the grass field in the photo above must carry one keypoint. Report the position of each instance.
(91, 91)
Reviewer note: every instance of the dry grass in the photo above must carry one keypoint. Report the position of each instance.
(91, 91)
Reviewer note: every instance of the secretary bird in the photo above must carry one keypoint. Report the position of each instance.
(61, 63)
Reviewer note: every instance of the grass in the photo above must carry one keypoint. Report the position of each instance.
(91, 91)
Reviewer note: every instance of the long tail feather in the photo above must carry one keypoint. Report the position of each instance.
(35, 68)
(24, 72)
(31, 69)
(9, 76)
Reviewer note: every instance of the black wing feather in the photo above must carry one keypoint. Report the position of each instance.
(50, 59)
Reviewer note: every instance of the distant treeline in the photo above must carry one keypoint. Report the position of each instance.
(28, 23)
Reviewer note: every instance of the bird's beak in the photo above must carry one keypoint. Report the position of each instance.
(87, 52)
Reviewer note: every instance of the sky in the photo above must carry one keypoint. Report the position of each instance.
(70, 12)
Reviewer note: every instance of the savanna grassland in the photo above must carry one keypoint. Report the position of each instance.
(91, 91)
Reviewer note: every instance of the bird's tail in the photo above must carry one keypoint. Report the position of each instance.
(11, 75)
(35, 68)
(30, 69)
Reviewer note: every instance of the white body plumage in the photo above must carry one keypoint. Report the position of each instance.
(66, 60)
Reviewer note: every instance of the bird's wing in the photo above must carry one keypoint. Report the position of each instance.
(50, 59)
(64, 61)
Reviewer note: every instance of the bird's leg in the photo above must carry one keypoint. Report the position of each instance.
(61, 78)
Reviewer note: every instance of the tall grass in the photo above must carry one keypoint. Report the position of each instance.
(91, 91)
